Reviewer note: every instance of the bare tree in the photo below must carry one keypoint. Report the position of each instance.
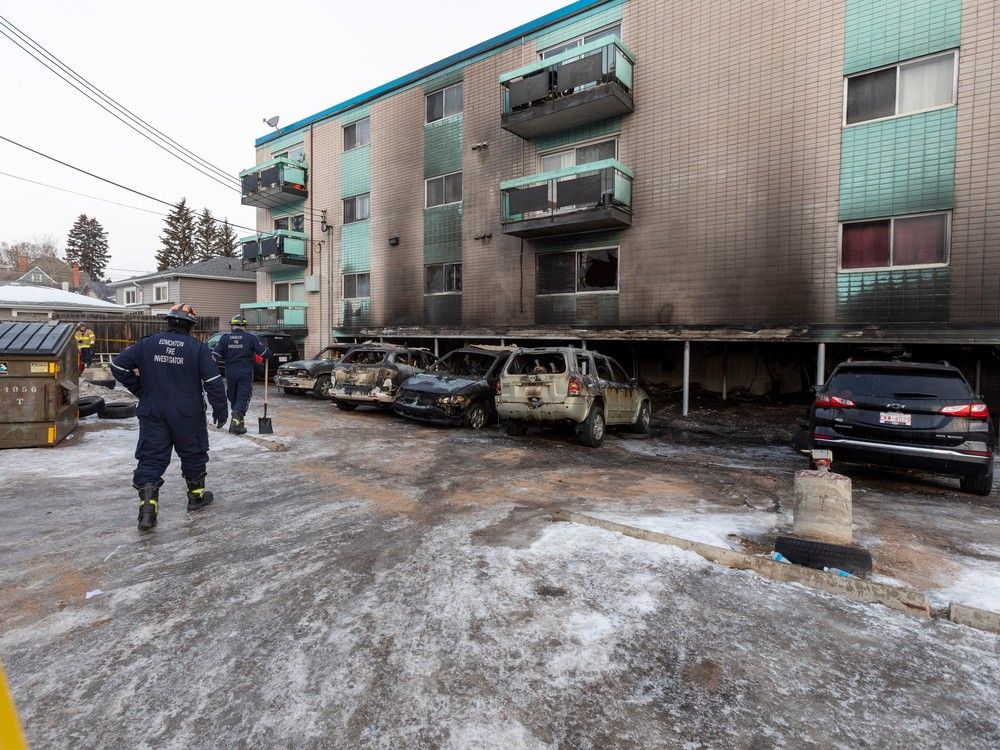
(41, 246)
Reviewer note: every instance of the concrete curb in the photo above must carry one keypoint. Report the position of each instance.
(271, 445)
(982, 619)
(907, 601)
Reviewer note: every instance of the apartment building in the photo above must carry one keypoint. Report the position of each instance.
(728, 178)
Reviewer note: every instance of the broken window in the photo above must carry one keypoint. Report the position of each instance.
(578, 271)
(364, 357)
(465, 364)
(537, 363)
(443, 278)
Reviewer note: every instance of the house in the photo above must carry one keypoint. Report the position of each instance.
(215, 288)
(50, 271)
(28, 302)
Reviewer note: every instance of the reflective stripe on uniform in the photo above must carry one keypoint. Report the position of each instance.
(123, 369)
(211, 379)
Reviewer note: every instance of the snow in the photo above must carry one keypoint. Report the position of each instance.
(976, 585)
(42, 295)
(719, 528)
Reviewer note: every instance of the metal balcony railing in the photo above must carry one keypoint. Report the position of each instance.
(274, 183)
(276, 314)
(277, 249)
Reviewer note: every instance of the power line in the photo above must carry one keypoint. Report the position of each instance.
(37, 46)
(84, 195)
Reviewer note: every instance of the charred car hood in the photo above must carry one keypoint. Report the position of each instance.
(439, 383)
(303, 364)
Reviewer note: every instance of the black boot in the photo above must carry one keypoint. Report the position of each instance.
(149, 505)
(237, 425)
(198, 496)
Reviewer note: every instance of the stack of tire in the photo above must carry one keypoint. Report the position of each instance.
(90, 405)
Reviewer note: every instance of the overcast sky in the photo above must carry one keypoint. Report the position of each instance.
(206, 74)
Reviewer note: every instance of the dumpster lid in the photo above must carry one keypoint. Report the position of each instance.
(41, 339)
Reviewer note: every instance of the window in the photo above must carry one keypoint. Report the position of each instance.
(356, 208)
(290, 291)
(578, 271)
(443, 278)
(603, 369)
(160, 292)
(357, 285)
(130, 297)
(547, 363)
(444, 103)
(915, 86)
(585, 154)
(891, 243)
(357, 134)
(620, 375)
(616, 30)
(296, 223)
(444, 189)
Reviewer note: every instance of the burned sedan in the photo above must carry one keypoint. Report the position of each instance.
(313, 376)
(458, 390)
(371, 374)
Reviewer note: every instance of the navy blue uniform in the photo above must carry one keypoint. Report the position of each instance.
(236, 351)
(173, 368)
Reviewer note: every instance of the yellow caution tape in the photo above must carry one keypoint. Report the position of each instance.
(11, 737)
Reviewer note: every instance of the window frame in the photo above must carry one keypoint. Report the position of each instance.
(356, 274)
(444, 193)
(441, 91)
(355, 126)
(285, 154)
(444, 270)
(542, 155)
(289, 284)
(596, 33)
(165, 285)
(135, 296)
(355, 198)
(892, 242)
(954, 88)
(290, 217)
(576, 273)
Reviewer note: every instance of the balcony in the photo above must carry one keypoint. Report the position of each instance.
(582, 85)
(274, 183)
(567, 201)
(276, 315)
(272, 250)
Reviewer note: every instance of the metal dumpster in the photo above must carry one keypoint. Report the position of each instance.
(39, 383)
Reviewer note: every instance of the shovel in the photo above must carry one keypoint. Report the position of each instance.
(264, 423)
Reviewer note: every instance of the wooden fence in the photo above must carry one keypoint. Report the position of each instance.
(115, 332)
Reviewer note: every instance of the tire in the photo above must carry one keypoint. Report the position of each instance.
(512, 428)
(979, 485)
(590, 432)
(644, 422)
(321, 388)
(345, 405)
(819, 555)
(118, 410)
(476, 416)
(88, 405)
(291, 391)
(383, 407)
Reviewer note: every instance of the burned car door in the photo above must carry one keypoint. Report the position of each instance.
(613, 394)
(631, 393)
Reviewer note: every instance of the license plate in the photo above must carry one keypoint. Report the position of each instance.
(893, 417)
(282, 359)
(533, 392)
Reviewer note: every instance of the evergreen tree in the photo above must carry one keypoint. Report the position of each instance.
(225, 245)
(178, 238)
(87, 246)
(206, 236)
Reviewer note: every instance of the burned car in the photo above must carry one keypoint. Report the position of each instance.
(458, 390)
(313, 376)
(554, 385)
(372, 373)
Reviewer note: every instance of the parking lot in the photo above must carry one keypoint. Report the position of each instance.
(386, 584)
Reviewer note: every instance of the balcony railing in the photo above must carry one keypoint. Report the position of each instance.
(278, 249)
(279, 315)
(584, 84)
(577, 199)
(274, 183)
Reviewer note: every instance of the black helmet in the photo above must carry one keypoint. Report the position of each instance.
(239, 321)
(184, 313)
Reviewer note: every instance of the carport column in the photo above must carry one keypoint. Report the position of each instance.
(436, 347)
(979, 376)
(685, 399)
(725, 371)
(820, 364)
(583, 344)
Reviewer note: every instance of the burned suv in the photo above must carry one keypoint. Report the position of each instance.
(457, 390)
(570, 386)
(314, 376)
(903, 414)
(371, 374)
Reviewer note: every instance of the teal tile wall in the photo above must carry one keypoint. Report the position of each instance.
(443, 234)
(442, 309)
(594, 19)
(443, 146)
(900, 166)
(915, 296)
(288, 274)
(355, 114)
(356, 313)
(355, 247)
(882, 32)
(441, 80)
(356, 171)
(582, 133)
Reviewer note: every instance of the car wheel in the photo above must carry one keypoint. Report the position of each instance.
(978, 485)
(475, 416)
(590, 431)
(344, 405)
(321, 389)
(290, 391)
(118, 410)
(383, 407)
(88, 405)
(512, 428)
(644, 421)
(819, 555)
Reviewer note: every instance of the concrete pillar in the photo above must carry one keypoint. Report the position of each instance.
(583, 344)
(979, 376)
(686, 397)
(436, 347)
(822, 507)
(725, 371)
(820, 365)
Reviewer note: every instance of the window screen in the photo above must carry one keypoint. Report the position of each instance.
(918, 240)
(926, 84)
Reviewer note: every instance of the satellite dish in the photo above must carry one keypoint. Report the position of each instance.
(271, 122)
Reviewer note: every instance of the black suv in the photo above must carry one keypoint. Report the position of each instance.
(910, 415)
(283, 349)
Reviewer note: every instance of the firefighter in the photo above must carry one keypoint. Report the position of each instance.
(173, 368)
(238, 350)
(85, 340)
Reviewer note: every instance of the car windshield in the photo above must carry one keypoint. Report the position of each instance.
(330, 353)
(891, 383)
(465, 364)
(537, 363)
(364, 357)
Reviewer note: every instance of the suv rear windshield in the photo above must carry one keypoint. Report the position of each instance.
(537, 363)
(893, 383)
(364, 357)
(279, 343)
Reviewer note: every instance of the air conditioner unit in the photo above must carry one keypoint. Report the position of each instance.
(312, 283)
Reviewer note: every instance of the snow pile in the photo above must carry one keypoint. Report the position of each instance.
(108, 394)
(43, 295)
(722, 528)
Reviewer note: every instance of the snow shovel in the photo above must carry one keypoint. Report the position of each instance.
(264, 423)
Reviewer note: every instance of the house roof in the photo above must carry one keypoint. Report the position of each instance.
(16, 295)
(222, 269)
(56, 269)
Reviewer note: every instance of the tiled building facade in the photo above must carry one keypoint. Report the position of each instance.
(785, 170)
